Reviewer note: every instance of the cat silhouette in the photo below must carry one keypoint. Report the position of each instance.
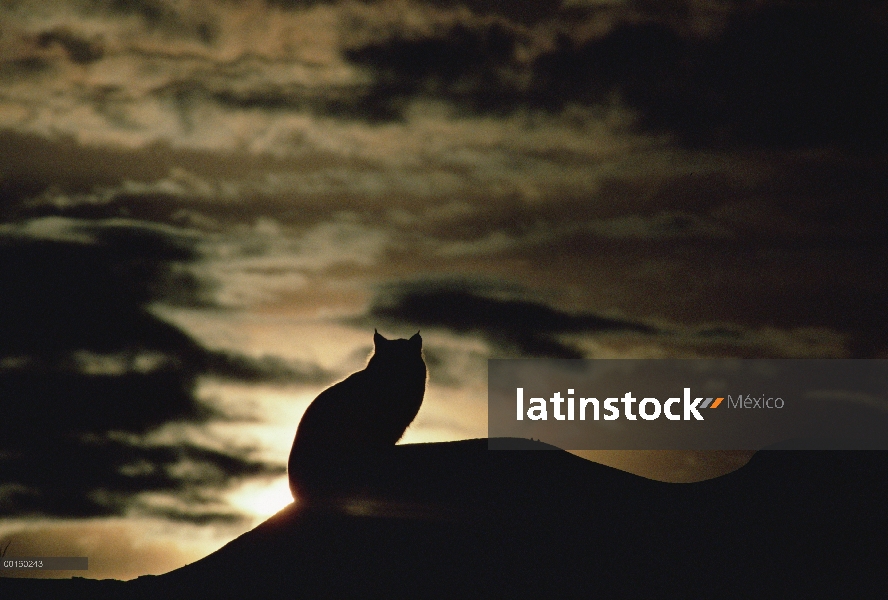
(366, 412)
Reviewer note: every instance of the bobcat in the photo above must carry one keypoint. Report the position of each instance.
(367, 411)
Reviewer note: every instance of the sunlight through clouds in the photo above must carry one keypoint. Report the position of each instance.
(207, 207)
(262, 499)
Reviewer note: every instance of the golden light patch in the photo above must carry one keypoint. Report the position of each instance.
(262, 499)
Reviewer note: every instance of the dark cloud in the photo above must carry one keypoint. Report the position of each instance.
(787, 74)
(520, 326)
(86, 369)
(56, 473)
(63, 296)
(265, 369)
(471, 66)
(633, 59)
(79, 50)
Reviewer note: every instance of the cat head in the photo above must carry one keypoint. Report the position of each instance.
(385, 346)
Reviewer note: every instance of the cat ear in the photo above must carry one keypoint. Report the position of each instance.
(378, 340)
(416, 340)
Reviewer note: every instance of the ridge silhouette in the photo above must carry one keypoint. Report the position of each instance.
(456, 520)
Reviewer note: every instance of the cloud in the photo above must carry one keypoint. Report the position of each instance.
(526, 327)
(79, 50)
(87, 371)
(775, 75)
(711, 74)
(61, 296)
(786, 74)
(64, 475)
(63, 175)
(472, 67)
(515, 325)
(265, 369)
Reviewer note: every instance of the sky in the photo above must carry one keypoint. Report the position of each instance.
(206, 207)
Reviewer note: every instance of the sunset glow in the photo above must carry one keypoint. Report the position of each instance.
(261, 500)
(207, 207)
